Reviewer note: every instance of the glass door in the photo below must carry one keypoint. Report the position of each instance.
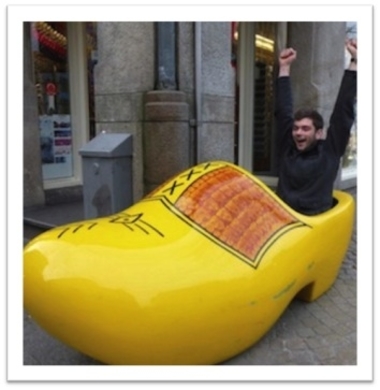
(254, 46)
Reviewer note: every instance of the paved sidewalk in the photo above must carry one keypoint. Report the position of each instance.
(319, 333)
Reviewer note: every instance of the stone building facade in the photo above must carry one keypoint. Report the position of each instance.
(187, 92)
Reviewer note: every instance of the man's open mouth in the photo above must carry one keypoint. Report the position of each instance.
(300, 143)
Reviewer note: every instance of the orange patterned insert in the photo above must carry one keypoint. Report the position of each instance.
(235, 209)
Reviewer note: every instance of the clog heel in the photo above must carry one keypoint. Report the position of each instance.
(337, 223)
(194, 273)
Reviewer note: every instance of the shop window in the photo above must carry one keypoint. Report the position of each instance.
(52, 81)
(49, 50)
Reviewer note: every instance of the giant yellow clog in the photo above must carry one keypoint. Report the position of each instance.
(194, 273)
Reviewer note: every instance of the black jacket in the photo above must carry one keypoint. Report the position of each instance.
(306, 178)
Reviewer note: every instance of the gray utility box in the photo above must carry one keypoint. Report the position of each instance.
(107, 174)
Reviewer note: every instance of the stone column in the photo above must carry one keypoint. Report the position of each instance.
(166, 130)
(33, 183)
(123, 74)
(216, 136)
(166, 136)
(319, 67)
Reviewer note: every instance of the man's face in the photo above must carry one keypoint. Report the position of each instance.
(305, 134)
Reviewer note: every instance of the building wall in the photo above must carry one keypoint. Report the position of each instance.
(319, 67)
(33, 190)
(218, 93)
(179, 136)
(125, 76)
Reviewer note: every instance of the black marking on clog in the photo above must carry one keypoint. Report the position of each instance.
(285, 290)
(310, 266)
(188, 175)
(173, 187)
(63, 232)
(77, 228)
(212, 164)
(126, 218)
(131, 221)
(153, 228)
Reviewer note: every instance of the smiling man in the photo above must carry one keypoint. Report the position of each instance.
(308, 161)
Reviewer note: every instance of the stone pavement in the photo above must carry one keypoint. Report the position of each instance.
(322, 332)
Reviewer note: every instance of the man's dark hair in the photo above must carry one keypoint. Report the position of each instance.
(314, 115)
